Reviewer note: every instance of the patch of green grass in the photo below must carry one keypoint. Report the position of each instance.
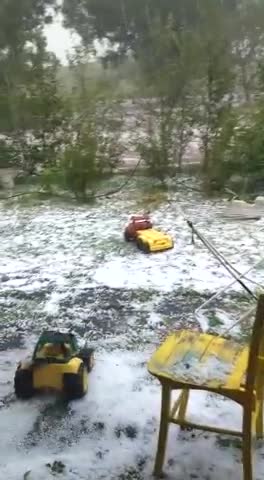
(111, 244)
(151, 199)
(213, 320)
(142, 295)
(244, 336)
(227, 442)
(36, 198)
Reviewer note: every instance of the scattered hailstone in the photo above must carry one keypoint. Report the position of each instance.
(202, 371)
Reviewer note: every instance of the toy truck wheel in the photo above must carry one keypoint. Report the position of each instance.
(139, 244)
(143, 246)
(74, 384)
(146, 247)
(87, 356)
(127, 237)
(24, 384)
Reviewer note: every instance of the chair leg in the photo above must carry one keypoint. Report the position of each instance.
(259, 419)
(163, 430)
(247, 444)
(183, 405)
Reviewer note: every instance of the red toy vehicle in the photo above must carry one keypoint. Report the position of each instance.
(137, 222)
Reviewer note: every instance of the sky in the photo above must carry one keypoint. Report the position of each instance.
(60, 40)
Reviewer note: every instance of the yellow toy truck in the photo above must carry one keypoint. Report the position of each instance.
(57, 364)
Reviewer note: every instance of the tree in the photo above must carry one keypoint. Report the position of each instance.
(216, 74)
(125, 24)
(93, 153)
(168, 109)
(19, 20)
(30, 107)
(32, 111)
(92, 142)
(248, 44)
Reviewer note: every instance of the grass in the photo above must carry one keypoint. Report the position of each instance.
(153, 200)
(111, 318)
(213, 320)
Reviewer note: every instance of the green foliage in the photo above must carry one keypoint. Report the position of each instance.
(168, 131)
(93, 147)
(18, 21)
(220, 166)
(31, 112)
(80, 165)
(248, 150)
(157, 148)
(239, 149)
(51, 178)
(170, 62)
(216, 74)
(87, 161)
(7, 154)
(261, 79)
(91, 74)
(126, 24)
(156, 159)
(185, 61)
(249, 44)
(168, 112)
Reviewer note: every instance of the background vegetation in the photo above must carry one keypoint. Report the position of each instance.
(169, 70)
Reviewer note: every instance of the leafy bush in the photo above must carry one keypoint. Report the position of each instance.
(239, 148)
(91, 155)
(168, 132)
(8, 154)
(248, 150)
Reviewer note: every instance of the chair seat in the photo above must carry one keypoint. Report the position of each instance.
(200, 360)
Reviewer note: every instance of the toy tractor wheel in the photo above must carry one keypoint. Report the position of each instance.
(24, 384)
(87, 356)
(74, 383)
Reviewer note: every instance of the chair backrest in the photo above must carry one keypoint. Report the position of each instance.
(256, 345)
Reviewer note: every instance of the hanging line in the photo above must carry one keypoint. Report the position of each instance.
(223, 289)
(244, 317)
(217, 254)
(237, 275)
(225, 263)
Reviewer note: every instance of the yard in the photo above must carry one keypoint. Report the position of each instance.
(67, 266)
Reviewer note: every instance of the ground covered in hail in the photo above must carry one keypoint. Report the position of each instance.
(68, 266)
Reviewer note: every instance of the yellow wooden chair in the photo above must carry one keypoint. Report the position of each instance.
(195, 361)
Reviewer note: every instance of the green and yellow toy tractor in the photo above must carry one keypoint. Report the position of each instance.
(57, 364)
